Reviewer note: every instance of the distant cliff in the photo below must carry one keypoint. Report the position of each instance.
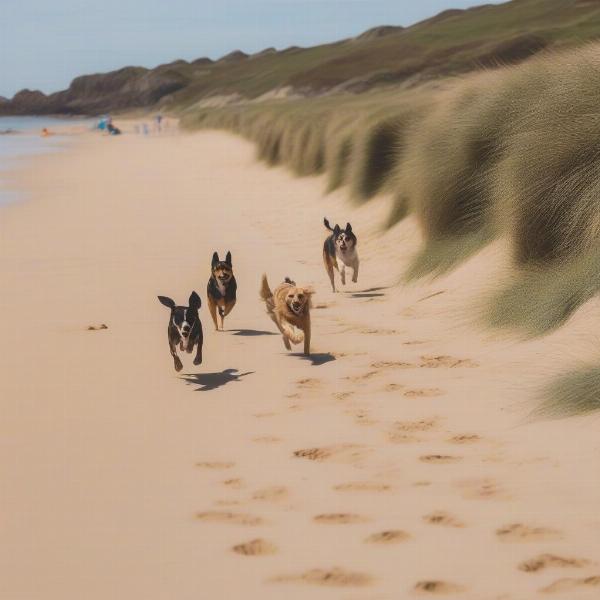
(451, 43)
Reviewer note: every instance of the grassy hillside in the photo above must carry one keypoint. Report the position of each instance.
(453, 42)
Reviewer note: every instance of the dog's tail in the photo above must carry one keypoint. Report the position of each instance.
(267, 295)
(326, 223)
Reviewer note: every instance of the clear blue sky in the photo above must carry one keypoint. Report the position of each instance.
(45, 43)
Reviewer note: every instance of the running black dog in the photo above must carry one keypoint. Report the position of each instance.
(221, 288)
(184, 328)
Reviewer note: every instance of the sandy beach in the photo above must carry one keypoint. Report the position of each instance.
(399, 462)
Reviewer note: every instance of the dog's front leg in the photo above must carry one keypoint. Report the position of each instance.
(355, 272)
(198, 358)
(212, 309)
(176, 360)
(343, 274)
(286, 342)
(307, 332)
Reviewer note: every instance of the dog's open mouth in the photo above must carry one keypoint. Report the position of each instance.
(223, 278)
(296, 306)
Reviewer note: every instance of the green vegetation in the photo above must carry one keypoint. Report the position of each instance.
(573, 393)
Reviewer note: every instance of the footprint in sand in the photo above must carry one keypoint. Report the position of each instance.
(482, 489)
(264, 415)
(342, 453)
(274, 493)
(335, 577)
(402, 432)
(423, 393)
(361, 417)
(438, 587)
(465, 438)
(342, 395)
(257, 547)
(435, 362)
(391, 364)
(439, 459)
(340, 519)
(266, 439)
(444, 519)
(216, 465)
(391, 536)
(308, 383)
(216, 516)
(550, 561)
(393, 387)
(376, 331)
(363, 486)
(362, 376)
(517, 532)
(234, 484)
(422, 425)
(227, 502)
(568, 584)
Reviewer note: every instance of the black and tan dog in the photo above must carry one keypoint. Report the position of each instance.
(221, 288)
(184, 328)
(289, 307)
(339, 252)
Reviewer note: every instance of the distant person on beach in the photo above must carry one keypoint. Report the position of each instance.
(158, 120)
(45, 132)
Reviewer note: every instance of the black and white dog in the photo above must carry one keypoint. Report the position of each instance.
(184, 328)
(339, 252)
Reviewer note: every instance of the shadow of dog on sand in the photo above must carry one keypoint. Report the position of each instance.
(212, 381)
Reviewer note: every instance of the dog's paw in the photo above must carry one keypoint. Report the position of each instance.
(198, 360)
(178, 365)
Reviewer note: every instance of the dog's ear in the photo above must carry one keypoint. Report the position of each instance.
(308, 290)
(228, 258)
(336, 229)
(348, 228)
(215, 259)
(194, 302)
(167, 301)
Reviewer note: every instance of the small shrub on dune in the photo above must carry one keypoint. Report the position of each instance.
(400, 210)
(551, 172)
(446, 174)
(380, 145)
(339, 144)
(571, 394)
(376, 152)
(542, 298)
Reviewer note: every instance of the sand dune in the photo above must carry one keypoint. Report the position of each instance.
(397, 462)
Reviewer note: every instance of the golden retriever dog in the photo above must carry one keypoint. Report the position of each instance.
(289, 307)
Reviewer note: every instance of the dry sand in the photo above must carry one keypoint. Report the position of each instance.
(396, 464)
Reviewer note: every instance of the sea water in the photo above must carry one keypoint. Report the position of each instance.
(21, 137)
